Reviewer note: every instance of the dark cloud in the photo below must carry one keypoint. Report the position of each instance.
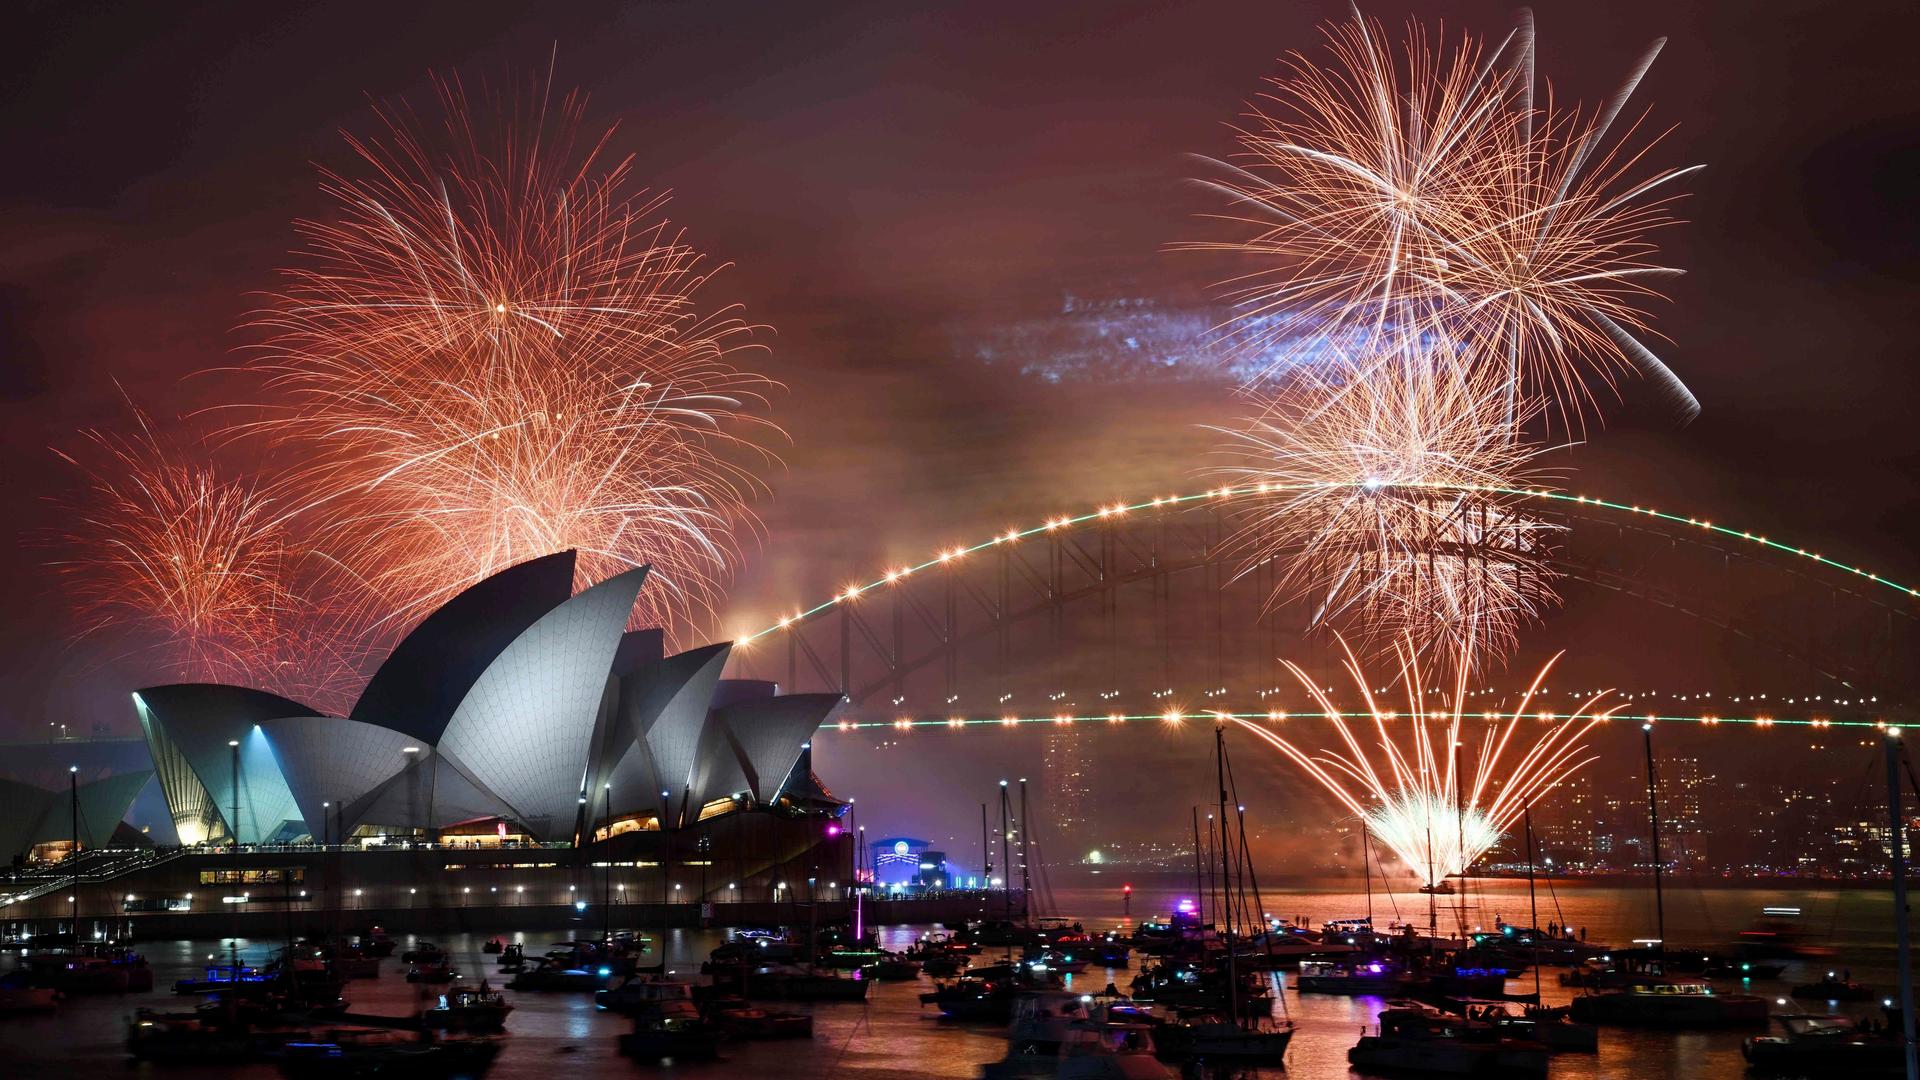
(23, 363)
(1859, 196)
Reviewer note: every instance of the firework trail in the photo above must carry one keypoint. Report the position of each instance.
(192, 569)
(1378, 502)
(493, 351)
(1435, 802)
(1430, 194)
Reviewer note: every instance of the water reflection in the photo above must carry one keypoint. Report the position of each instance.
(894, 1036)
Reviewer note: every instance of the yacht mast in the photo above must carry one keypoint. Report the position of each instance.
(1006, 863)
(1653, 824)
(1026, 880)
(1226, 876)
(1897, 843)
(1199, 894)
(1533, 904)
(1460, 841)
(1366, 870)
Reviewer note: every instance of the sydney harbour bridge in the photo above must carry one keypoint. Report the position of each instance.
(1147, 610)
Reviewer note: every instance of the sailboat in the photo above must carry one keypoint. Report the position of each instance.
(1248, 1034)
(1823, 1046)
(1644, 993)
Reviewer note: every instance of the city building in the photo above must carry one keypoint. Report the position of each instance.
(1067, 784)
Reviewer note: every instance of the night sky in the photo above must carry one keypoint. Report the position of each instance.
(925, 201)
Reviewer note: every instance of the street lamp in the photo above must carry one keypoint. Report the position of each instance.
(233, 747)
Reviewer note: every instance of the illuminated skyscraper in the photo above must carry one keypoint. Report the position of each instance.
(1067, 784)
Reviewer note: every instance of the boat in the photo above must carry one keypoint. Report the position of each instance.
(215, 1032)
(1828, 1046)
(755, 949)
(376, 943)
(988, 993)
(1462, 977)
(1833, 987)
(1744, 970)
(426, 952)
(892, 967)
(1375, 978)
(1551, 1026)
(993, 933)
(641, 992)
(741, 1020)
(79, 974)
(310, 990)
(1056, 960)
(494, 945)
(1442, 888)
(433, 972)
(1216, 1040)
(384, 1053)
(944, 966)
(226, 979)
(1110, 951)
(974, 999)
(1245, 1032)
(513, 957)
(1669, 1001)
(1110, 1051)
(1190, 985)
(1041, 1019)
(667, 1025)
(1777, 935)
(19, 995)
(1520, 944)
(848, 959)
(1420, 1040)
(1644, 993)
(549, 975)
(351, 962)
(466, 1008)
(783, 983)
(1354, 933)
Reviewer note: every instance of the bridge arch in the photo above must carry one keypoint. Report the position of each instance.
(871, 641)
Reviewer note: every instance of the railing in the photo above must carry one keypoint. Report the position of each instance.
(89, 867)
(105, 864)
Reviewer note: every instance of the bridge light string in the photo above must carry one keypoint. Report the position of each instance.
(948, 556)
(1179, 717)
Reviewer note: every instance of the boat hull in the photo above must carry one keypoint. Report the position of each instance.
(1670, 1010)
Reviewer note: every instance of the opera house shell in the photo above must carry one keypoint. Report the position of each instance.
(518, 704)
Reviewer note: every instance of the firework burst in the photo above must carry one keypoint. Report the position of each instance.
(495, 351)
(190, 568)
(1382, 503)
(1435, 802)
(1383, 196)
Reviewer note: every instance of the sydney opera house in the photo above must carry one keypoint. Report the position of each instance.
(520, 716)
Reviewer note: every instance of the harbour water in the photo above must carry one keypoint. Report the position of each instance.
(894, 1036)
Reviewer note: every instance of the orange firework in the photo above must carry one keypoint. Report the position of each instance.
(1428, 194)
(1425, 798)
(494, 351)
(190, 568)
(1379, 501)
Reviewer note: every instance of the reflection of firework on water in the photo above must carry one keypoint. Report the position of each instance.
(188, 567)
(1435, 802)
(1372, 500)
(1384, 195)
(493, 353)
